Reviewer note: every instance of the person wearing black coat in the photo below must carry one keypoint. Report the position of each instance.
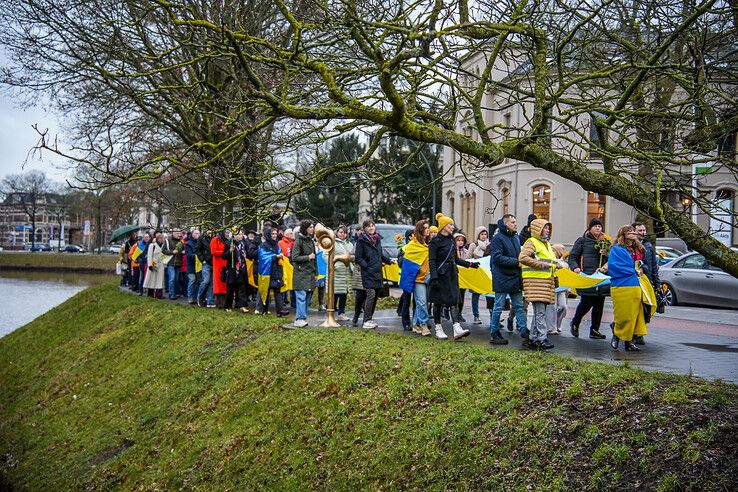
(369, 257)
(191, 255)
(443, 260)
(586, 258)
(525, 233)
(206, 274)
(507, 278)
(236, 276)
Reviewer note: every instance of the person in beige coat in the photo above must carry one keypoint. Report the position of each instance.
(154, 280)
(539, 279)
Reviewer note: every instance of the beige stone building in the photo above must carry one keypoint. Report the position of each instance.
(477, 196)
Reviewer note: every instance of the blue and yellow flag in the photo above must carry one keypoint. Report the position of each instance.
(415, 255)
(288, 272)
(250, 274)
(322, 268)
(477, 280)
(265, 270)
(137, 250)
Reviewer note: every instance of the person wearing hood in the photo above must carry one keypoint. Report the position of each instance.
(190, 259)
(507, 278)
(285, 245)
(443, 261)
(235, 277)
(539, 279)
(403, 307)
(220, 249)
(303, 258)
(477, 249)
(341, 272)
(462, 251)
(271, 245)
(205, 291)
(370, 257)
(525, 233)
(588, 256)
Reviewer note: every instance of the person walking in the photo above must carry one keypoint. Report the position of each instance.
(539, 270)
(507, 279)
(191, 260)
(650, 265)
(627, 294)
(306, 269)
(370, 257)
(588, 256)
(406, 298)
(154, 281)
(477, 250)
(205, 290)
(443, 260)
(418, 249)
(220, 248)
(462, 252)
(556, 313)
(342, 272)
(173, 249)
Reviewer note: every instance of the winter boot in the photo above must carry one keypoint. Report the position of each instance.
(460, 332)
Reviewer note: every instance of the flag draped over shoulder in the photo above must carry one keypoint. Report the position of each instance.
(477, 280)
(265, 270)
(415, 255)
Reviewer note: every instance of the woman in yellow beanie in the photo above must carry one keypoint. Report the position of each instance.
(444, 284)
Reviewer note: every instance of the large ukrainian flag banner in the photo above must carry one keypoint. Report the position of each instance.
(478, 280)
(415, 254)
(265, 271)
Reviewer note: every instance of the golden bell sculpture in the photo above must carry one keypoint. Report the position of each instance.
(327, 242)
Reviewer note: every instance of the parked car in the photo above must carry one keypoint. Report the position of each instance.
(114, 249)
(690, 279)
(74, 248)
(37, 247)
(667, 254)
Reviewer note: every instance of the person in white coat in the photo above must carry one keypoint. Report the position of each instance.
(154, 281)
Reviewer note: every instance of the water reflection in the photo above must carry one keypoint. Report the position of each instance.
(27, 295)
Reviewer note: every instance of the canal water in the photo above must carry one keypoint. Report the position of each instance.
(27, 295)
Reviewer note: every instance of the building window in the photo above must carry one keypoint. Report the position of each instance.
(596, 207)
(542, 201)
(505, 201)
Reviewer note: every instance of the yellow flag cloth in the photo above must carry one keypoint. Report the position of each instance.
(649, 296)
(250, 274)
(567, 278)
(477, 280)
(391, 272)
(198, 265)
(288, 272)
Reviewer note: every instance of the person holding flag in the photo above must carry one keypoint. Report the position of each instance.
(270, 272)
(413, 274)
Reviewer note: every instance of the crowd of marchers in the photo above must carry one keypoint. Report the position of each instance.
(217, 270)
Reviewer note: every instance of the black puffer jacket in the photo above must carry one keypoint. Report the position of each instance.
(442, 260)
(203, 249)
(585, 256)
(369, 257)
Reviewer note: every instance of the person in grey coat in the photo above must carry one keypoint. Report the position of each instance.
(342, 272)
(305, 269)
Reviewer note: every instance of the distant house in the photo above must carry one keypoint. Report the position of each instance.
(53, 220)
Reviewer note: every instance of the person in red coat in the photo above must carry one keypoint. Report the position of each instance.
(220, 247)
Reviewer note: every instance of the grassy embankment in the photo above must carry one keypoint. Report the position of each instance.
(132, 393)
(50, 261)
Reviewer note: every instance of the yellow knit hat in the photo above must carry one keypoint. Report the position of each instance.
(442, 220)
(433, 229)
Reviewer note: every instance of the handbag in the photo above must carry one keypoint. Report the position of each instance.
(444, 264)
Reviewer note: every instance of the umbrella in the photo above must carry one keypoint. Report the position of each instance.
(123, 231)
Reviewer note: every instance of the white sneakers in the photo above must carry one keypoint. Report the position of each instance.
(460, 332)
(300, 323)
(342, 317)
(369, 325)
(439, 332)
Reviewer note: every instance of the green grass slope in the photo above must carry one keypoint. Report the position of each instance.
(113, 391)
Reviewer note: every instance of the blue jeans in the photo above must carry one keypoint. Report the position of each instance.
(301, 310)
(206, 283)
(475, 304)
(421, 304)
(192, 286)
(172, 280)
(517, 305)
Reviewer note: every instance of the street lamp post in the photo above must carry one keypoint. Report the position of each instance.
(405, 151)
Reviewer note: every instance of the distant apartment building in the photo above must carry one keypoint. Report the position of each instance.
(477, 195)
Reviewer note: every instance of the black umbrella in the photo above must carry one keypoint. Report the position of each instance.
(123, 231)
